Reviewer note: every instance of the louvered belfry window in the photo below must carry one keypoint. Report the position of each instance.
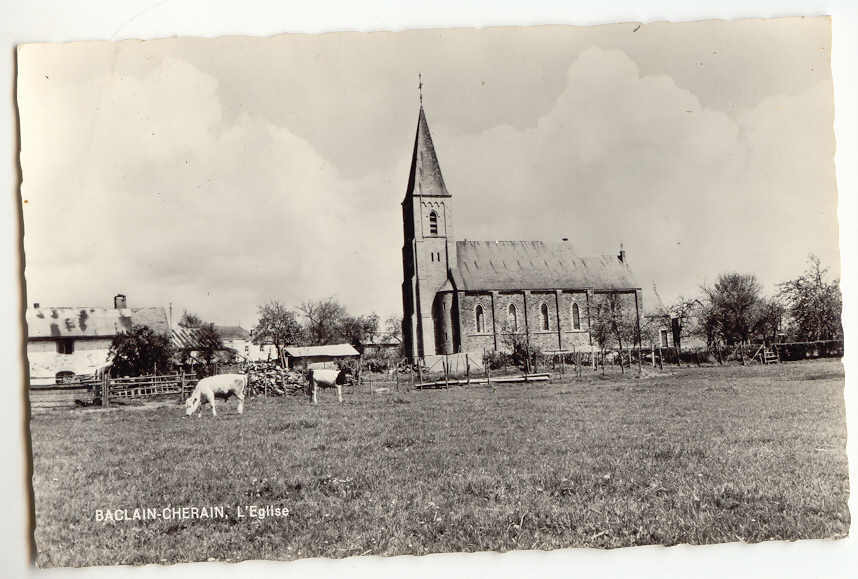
(433, 223)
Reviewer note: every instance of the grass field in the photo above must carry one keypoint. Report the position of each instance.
(697, 455)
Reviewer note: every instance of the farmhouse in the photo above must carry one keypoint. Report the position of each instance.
(673, 328)
(475, 296)
(64, 342)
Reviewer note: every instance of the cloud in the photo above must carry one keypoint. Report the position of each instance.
(622, 157)
(172, 205)
(139, 178)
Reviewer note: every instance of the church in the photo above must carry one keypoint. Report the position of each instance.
(472, 296)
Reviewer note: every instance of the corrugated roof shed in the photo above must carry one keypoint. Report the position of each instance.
(333, 350)
(82, 322)
(531, 265)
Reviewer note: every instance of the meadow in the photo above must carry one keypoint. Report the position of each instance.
(690, 455)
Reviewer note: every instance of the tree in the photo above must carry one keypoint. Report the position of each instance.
(323, 321)
(733, 304)
(277, 325)
(614, 321)
(189, 320)
(814, 305)
(140, 351)
(208, 341)
(357, 329)
(768, 319)
(391, 328)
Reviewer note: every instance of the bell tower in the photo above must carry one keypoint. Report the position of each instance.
(429, 248)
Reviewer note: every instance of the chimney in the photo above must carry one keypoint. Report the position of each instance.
(622, 255)
(119, 302)
(36, 305)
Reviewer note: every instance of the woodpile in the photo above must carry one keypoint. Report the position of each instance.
(267, 378)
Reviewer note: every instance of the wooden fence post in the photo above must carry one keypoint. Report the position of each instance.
(420, 372)
(446, 371)
(105, 389)
(467, 369)
(488, 372)
(660, 359)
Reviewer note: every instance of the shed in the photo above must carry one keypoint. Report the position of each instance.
(329, 355)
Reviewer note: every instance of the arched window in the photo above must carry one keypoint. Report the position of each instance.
(433, 223)
(576, 317)
(543, 310)
(512, 318)
(480, 318)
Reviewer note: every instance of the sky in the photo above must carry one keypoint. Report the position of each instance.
(218, 174)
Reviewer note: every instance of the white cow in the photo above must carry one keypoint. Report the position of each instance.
(326, 378)
(222, 386)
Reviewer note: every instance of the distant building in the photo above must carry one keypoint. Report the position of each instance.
(668, 329)
(64, 343)
(264, 352)
(381, 345)
(236, 338)
(475, 296)
(302, 357)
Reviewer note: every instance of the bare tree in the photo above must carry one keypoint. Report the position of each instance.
(277, 325)
(323, 320)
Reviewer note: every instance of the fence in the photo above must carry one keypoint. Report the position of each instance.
(91, 392)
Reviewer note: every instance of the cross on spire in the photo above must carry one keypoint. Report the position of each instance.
(420, 88)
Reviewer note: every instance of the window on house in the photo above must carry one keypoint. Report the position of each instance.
(65, 346)
(433, 256)
(481, 324)
(543, 311)
(663, 334)
(512, 318)
(433, 223)
(576, 317)
(65, 377)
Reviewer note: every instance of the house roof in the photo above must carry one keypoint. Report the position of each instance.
(84, 322)
(517, 265)
(232, 333)
(187, 338)
(333, 350)
(425, 177)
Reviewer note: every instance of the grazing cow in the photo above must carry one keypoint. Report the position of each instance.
(221, 386)
(326, 378)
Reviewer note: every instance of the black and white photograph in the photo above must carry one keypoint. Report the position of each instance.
(432, 290)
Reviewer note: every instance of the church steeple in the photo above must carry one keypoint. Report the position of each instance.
(429, 248)
(425, 176)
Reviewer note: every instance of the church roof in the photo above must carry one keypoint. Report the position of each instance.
(532, 265)
(425, 176)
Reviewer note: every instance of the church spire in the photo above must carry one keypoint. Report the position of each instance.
(425, 177)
